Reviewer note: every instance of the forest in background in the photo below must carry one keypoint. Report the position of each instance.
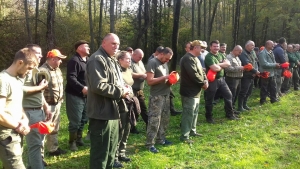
(143, 24)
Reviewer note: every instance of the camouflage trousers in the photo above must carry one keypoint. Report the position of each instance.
(158, 119)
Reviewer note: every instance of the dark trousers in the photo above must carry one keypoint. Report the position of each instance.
(246, 88)
(268, 85)
(141, 97)
(209, 95)
(295, 78)
(234, 86)
(124, 131)
(104, 135)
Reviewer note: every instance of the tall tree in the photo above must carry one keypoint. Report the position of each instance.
(91, 26)
(199, 2)
(175, 33)
(100, 22)
(212, 19)
(27, 22)
(193, 19)
(236, 22)
(50, 36)
(37, 3)
(112, 16)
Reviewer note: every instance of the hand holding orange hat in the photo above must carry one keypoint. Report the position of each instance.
(211, 75)
(248, 67)
(285, 65)
(43, 127)
(173, 77)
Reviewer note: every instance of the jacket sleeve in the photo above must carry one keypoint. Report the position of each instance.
(231, 68)
(280, 55)
(73, 69)
(98, 75)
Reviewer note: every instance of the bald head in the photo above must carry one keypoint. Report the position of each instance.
(110, 44)
(269, 45)
(237, 50)
(137, 55)
(290, 48)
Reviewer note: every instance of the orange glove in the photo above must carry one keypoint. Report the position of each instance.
(265, 74)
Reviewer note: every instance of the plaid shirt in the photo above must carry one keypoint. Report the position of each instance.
(54, 93)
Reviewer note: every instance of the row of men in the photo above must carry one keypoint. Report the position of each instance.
(106, 89)
(43, 96)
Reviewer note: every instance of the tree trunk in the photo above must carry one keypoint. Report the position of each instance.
(253, 20)
(100, 22)
(27, 22)
(265, 29)
(236, 22)
(212, 19)
(199, 19)
(37, 2)
(175, 34)
(204, 20)
(91, 26)
(50, 36)
(193, 19)
(112, 16)
(146, 24)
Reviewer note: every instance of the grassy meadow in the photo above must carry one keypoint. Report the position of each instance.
(268, 136)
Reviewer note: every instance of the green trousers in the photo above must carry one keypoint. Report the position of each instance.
(104, 135)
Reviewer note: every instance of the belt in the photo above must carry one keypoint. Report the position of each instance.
(32, 108)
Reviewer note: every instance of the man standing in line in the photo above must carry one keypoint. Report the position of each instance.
(280, 58)
(247, 82)
(76, 93)
(294, 64)
(193, 79)
(159, 103)
(36, 109)
(234, 72)
(139, 75)
(13, 120)
(53, 96)
(106, 88)
(267, 63)
(216, 62)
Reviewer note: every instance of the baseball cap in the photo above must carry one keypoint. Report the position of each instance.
(198, 43)
(80, 42)
(55, 53)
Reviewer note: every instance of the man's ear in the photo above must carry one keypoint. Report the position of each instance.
(20, 62)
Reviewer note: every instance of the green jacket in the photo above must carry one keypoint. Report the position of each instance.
(104, 92)
(293, 60)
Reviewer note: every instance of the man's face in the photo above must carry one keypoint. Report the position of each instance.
(24, 68)
(137, 57)
(250, 46)
(290, 48)
(84, 48)
(38, 53)
(197, 50)
(166, 57)
(237, 52)
(214, 48)
(223, 49)
(187, 47)
(56, 62)
(111, 45)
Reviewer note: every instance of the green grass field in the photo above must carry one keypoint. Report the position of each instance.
(265, 137)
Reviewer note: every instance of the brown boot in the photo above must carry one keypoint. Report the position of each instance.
(72, 141)
(79, 141)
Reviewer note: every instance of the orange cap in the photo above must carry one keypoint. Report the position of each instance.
(287, 73)
(55, 53)
(211, 75)
(173, 77)
(285, 65)
(43, 127)
(248, 67)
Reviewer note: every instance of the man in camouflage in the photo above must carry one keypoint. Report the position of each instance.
(159, 103)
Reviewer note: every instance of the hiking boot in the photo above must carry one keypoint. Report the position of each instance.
(152, 149)
(117, 164)
(166, 143)
(188, 141)
(246, 107)
(124, 158)
(233, 117)
(210, 120)
(79, 141)
(175, 113)
(134, 130)
(196, 134)
(58, 152)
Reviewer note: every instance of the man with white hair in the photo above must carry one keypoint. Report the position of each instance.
(247, 82)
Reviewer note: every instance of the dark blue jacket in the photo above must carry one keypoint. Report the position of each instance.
(279, 54)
